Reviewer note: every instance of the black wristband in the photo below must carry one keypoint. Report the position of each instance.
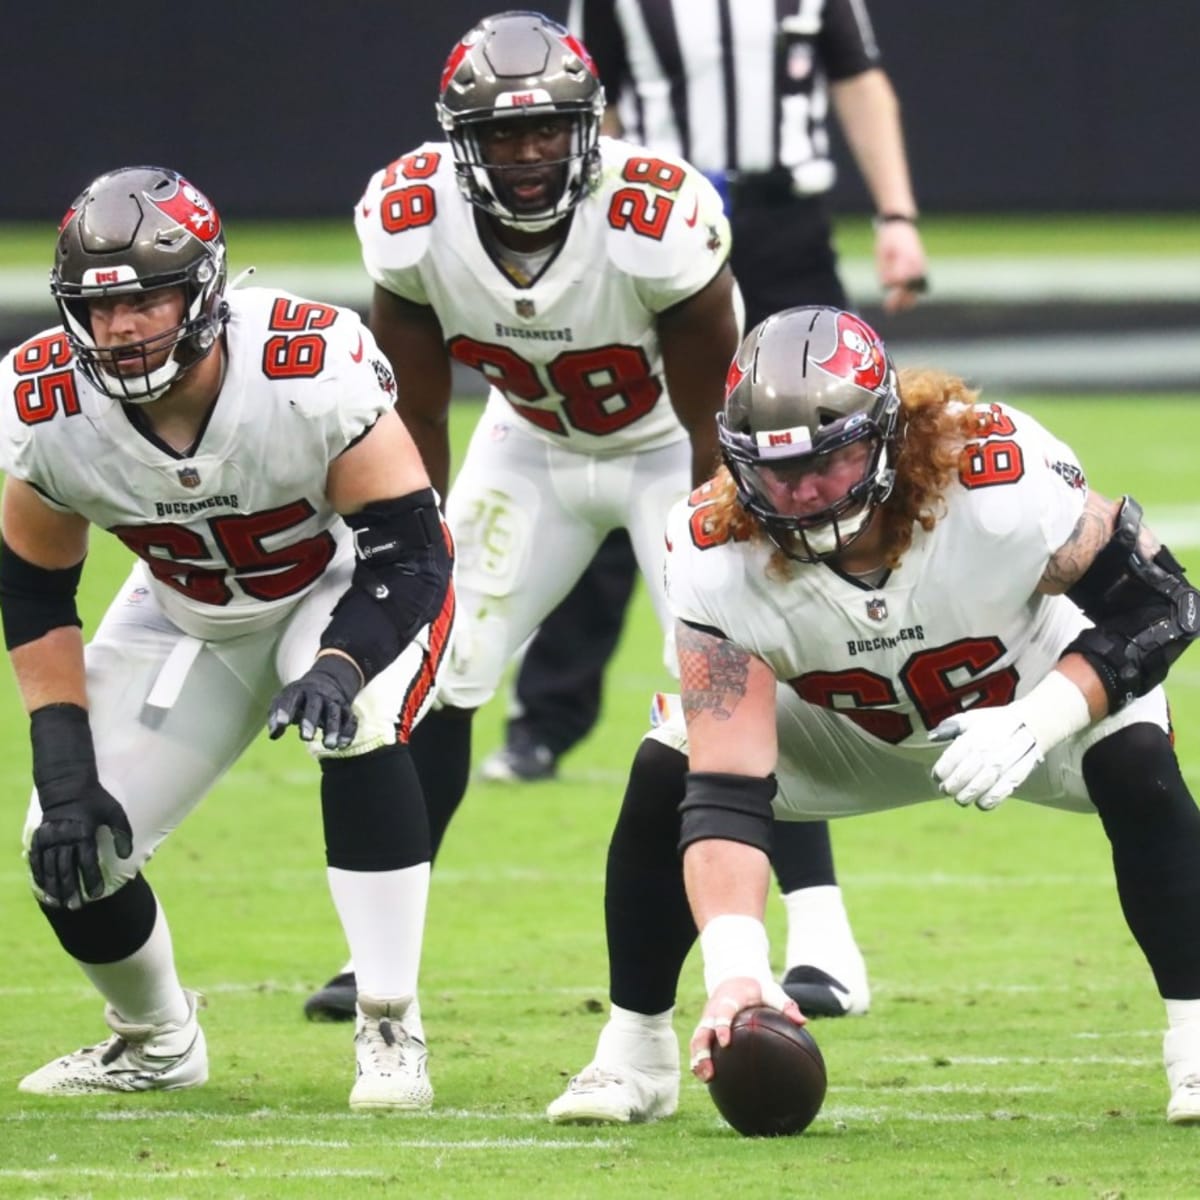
(64, 758)
(888, 218)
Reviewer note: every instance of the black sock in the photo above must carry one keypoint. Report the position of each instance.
(649, 924)
(373, 811)
(1153, 824)
(441, 752)
(802, 855)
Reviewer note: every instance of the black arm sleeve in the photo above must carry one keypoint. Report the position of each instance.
(1145, 612)
(34, 600)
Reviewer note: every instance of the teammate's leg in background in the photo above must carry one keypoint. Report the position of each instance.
(559, 682)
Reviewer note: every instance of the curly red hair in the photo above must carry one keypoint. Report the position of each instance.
(937, 421)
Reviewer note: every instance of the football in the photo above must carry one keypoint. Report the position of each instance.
(770, 1080)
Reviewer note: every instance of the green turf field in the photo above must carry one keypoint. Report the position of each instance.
(1013, 1047)
(997, 236)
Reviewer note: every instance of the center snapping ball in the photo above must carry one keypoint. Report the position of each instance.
(770, 1080)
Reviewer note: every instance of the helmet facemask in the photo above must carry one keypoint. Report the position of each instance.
(520, 66)
(135, 231)
(811, 395)
(765, 482)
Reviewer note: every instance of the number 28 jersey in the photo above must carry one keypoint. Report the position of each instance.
(575, 352)
(237, 530)
(959, 624)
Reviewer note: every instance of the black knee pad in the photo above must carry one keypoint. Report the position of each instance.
(107, 930)
(1133, 779)
(374, 811)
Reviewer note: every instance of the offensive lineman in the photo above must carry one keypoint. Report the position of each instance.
(589, 282)
(293, 565)
(880, 569)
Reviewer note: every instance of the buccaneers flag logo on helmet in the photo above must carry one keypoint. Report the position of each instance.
(190, 208)
(858, 356)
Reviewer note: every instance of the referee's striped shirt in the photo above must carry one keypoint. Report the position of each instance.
(736, 87)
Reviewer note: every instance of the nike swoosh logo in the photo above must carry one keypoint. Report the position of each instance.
(358, 353)
(691, 221)
(670, 544)
(365, 210)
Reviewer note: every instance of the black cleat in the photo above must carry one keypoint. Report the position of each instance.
(335, 1001)
(521, 763)
(820, 995)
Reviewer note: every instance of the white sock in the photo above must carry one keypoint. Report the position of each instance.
(819, 935)
(1183, 1012)
(638, 1039)
(143, 988)
(383, 917)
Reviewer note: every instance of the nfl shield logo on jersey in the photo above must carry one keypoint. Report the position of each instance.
(877, 608)
(525, 308)
(189, 477)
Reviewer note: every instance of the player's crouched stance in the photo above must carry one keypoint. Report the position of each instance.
(939, 591)
(293, 568)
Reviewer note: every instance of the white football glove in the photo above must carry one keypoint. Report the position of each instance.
(993, 750)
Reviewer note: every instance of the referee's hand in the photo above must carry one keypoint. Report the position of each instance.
(900, 265)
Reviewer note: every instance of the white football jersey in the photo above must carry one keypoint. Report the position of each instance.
(575, 352)
(956, 625)
(238, 531)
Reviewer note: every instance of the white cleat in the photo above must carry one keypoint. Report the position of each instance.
(1181, 1054)
(391, 1063)
(137, 1058)
(633, 1078)
(616, 1096)
(1184, 1105)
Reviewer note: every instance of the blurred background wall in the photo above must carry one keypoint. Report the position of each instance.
(283, 110)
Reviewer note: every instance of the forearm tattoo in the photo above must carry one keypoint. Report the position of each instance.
(1091, 533)
(712, 673)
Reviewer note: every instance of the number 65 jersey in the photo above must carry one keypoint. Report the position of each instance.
(236, 530)
(959, 624)
(574, 350)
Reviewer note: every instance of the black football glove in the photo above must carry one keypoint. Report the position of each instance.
(322, 698)
(74, 804)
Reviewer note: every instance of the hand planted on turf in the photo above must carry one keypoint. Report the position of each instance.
(727, 1000)
(63, 850)
(991, 753)
(322, 698)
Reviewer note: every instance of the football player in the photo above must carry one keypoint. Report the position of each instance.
(889, 589)
(292, 568)
(589, 282)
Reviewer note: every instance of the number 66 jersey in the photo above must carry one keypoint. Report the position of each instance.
(865, 670)
(236, 530)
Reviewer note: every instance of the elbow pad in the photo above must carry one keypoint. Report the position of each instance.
(34, 600)
(1145, 613)
(403, 563)
(732, 808)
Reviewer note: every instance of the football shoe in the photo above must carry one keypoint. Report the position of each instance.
(392, 1071)
(633, 1078)
(137, 1058)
